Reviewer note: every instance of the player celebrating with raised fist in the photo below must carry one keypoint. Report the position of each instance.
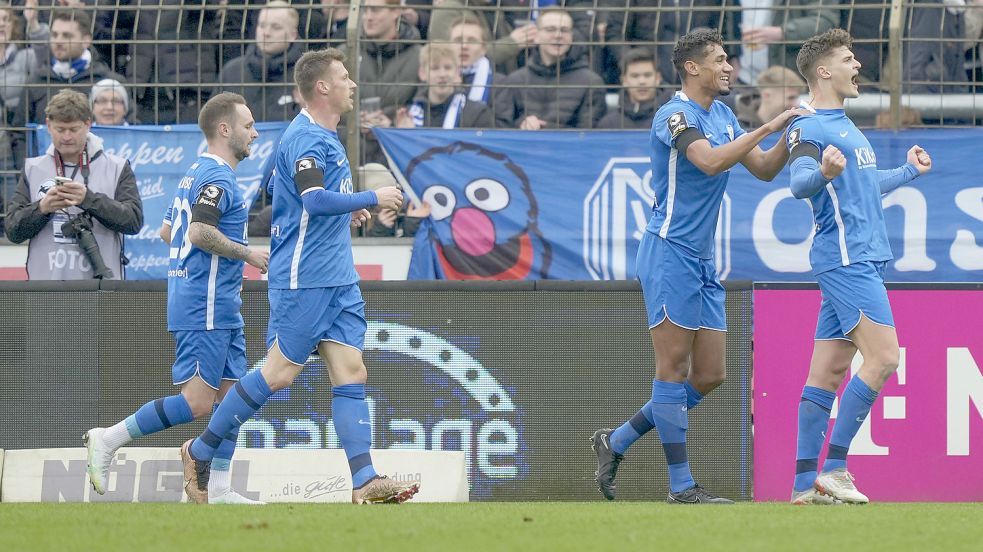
(835, 169)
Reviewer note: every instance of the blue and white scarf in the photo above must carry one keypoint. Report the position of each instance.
(452, 118)
(68, 70)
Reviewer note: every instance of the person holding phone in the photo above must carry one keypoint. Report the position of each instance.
(76, 190)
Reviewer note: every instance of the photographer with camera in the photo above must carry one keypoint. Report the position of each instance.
(75, 202)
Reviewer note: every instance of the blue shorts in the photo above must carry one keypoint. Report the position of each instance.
(302, 318)
(213, 355)
(848, 292)
(679, 286)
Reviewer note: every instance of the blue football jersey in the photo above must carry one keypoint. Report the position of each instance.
(309, 251)
(203, 288)
(848, 214)
(687, 201)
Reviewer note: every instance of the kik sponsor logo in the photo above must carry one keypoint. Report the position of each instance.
(865, 158)
(432, 395)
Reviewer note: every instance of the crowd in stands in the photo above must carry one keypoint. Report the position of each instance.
(522, 64)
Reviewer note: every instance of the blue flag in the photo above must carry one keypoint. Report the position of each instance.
(573, 205)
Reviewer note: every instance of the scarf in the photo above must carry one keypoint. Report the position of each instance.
(452, 117)
(481, 84)
(70, 69)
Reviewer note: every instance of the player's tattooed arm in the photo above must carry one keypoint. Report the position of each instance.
(213, 241)
(210, 239)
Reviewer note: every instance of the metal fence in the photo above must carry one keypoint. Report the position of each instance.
(921, 59)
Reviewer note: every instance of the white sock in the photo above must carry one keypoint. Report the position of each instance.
(220, 482)
(116, 436)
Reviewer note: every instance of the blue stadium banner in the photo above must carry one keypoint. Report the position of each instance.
(573, 205)
(160, 156)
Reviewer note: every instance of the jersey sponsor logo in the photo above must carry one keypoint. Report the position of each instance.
(730, 132)
(305, 163)
(677, 124)
(865, 158)
(210, 195)
(794, 136)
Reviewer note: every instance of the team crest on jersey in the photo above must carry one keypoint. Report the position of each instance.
(793, 138)
(210, 195)
(677, 123)
(306, 163)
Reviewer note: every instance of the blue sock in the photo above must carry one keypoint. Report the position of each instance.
(632, 430)
(693, 397)
(241, 402)
(670, 417)
(350, 414)
(158, 415)
(814, 410)
(641, 423)
(854, 407)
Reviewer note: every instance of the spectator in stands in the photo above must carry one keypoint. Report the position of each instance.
(504, 50)
(469, 38)
(72, 64)
(934, 62)
(388, 60)
(555, 89)
(658, 24)
(110, 104)
(239, 19)
(99, 192)
(640, 79)
(387, 223)
(17, 64)
(176, 66)
(779, 88)
(268, 63)
(774, 36)
(335, 14)
(867, 22)
(441, 103)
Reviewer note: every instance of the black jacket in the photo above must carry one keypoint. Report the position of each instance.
(577, 103)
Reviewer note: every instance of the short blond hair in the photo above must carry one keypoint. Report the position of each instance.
(778, 76)
(283, 5)
(438, 51)
(68, 106)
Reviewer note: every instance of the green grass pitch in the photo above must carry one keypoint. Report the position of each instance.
(490, 526)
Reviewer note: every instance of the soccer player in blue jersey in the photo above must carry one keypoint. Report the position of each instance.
(835, 170)
(315, 302)
(695, 141)
(206, 228)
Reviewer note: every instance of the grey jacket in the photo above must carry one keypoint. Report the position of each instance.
(112, 200)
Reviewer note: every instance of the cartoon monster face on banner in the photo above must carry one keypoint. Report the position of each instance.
(484, 221)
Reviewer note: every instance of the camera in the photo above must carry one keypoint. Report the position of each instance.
(80, 228)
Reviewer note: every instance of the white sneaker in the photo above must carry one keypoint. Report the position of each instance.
(100, 457)
(232, 497)
(812, 496)
(839, 485)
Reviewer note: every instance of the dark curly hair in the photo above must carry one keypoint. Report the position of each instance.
(693, 47)
(817, 48)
